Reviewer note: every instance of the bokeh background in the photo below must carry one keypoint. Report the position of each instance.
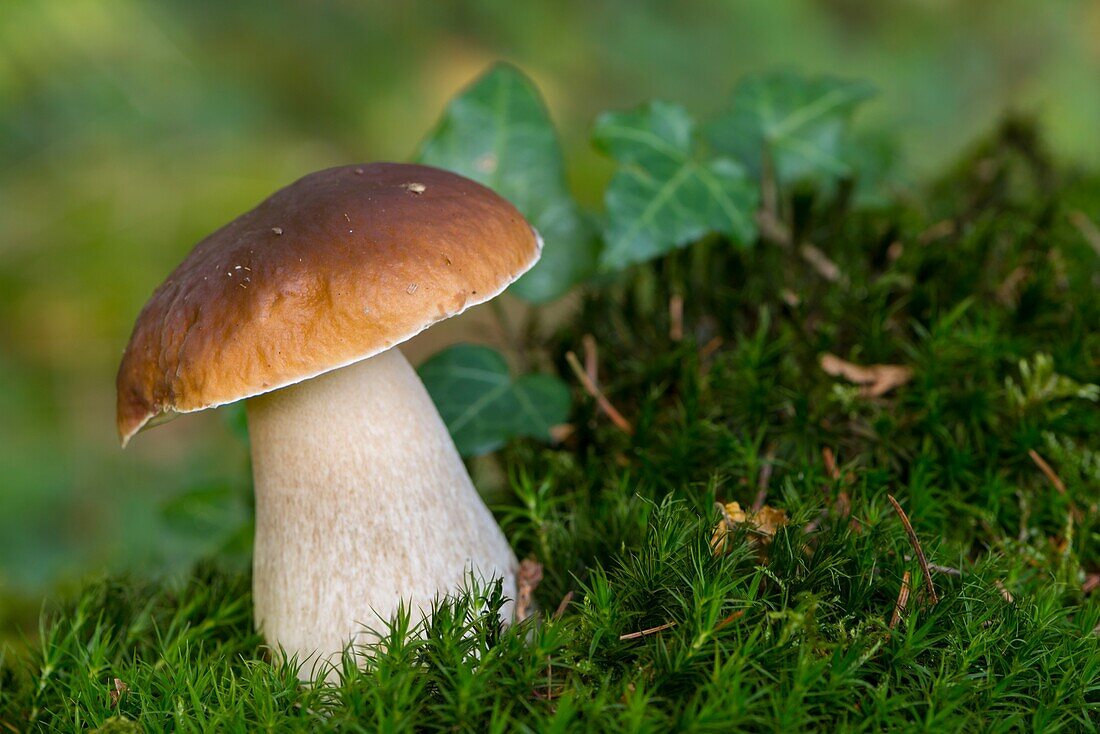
(131, 128)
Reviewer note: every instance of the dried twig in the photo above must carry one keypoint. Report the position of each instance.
(591, 358)
(647, 632)
(733, 617)
(676, 317)
(821, 263)
(527, 580)
(1047, 471)
(710, 348)
(563, 605)
(915, 542)
(592, 389)
(1092, 582)
(1087, 228)
(876, 379)
(902, 603)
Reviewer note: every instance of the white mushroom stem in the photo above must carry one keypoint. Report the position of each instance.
(362, 502)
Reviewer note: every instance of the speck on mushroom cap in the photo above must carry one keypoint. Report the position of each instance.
(335, 268)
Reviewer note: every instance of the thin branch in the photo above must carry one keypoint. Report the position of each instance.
(933, 597)
(650, 631)
(592, 389)
(710, 348)
(1045, 468)
(591, 358)
(821, 263)
(902, 603)
(563, 605)
(735, 616)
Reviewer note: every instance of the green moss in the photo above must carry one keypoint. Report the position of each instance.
(973, 288)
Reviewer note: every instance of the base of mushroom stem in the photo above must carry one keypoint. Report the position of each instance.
(362, 503)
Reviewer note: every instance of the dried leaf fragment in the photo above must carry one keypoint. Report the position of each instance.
(876, 379)
(116, 691)
(762, 525)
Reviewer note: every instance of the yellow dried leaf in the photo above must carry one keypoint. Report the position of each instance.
(762, 525)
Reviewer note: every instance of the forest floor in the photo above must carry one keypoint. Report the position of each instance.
(931, 363)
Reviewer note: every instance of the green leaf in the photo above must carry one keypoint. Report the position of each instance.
(483, 406)
(664, 195)
(207, 512)
(800, 122)
(499, 133)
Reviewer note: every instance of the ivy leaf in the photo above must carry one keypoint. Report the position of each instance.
(209, 516)
(800, 122)
(483, 406)
(498, 133)
(663, 195)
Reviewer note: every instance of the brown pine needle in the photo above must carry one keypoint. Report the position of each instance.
(676, 317)
(933, 598)
(592, 389)
(733, 617)
(902, 603)
(563, 605)
(1047, 471)
(591, 358)
(710, 348)
(650, 631)
(821, 263)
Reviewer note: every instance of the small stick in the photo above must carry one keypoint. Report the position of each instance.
(591, 358)
(1092, 582)
(710, 347)
(592, 389)
(1050, 474)
(735, 616)
(932, 596)
(650, 631)
(1087, 228)
(821, 263)
(676, 317)
(902, 603)
(563, 605)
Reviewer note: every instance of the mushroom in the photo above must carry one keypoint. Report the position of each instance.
(362, 500)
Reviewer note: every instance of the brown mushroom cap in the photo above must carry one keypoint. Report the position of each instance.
(335, 268)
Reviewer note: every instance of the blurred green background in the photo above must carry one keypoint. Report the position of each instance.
(130, 129)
